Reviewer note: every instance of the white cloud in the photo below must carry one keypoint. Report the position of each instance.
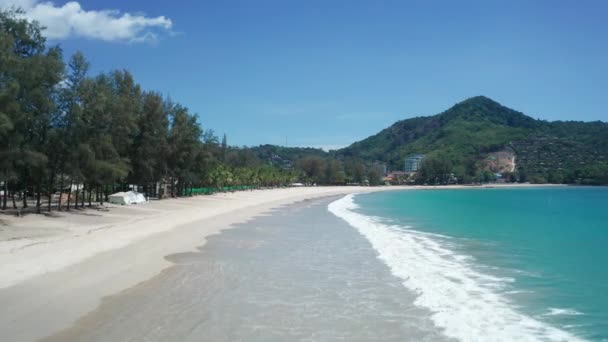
(71, 20)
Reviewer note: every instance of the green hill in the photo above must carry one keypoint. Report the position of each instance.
(466, 134)
(472, 140)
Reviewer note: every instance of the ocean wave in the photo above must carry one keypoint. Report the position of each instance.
(465, 303)
(518, 291)
(562, 312)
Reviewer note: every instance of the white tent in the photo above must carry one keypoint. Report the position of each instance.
(126, 198)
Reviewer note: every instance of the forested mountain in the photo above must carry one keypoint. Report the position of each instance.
(462, 140)
(467, 133)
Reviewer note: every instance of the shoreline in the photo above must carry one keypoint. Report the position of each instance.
(29, 245)
(289, 274)
(87, 260)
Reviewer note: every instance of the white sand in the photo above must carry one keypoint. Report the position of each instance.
(53, 270)
(37, 244)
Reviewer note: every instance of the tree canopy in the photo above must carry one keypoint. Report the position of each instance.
(64, 130)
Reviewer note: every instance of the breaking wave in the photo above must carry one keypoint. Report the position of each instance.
(465, 303)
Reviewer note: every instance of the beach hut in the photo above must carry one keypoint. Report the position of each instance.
(126, 198)
(119, 198)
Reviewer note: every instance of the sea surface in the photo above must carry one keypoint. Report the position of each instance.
(495, 264)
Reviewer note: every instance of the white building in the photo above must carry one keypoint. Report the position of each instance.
(413, 162)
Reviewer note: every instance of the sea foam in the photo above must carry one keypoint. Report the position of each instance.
(465, 303)
(562, 312)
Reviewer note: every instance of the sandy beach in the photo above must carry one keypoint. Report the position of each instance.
(56, 269)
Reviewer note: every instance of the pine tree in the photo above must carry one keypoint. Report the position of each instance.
(150, 143)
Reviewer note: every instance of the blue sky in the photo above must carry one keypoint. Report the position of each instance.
(328, 73)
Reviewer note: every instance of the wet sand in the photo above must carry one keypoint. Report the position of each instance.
(295, 273)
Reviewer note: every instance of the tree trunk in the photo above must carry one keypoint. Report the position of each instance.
(84, 194)
(50, 201)
(5, 197)
(76, 196)
(70, 194)
(25, 196)
(50, 189)
(90, 197)
(38, 192)
(60, 193)
(172, 187)
(14, 201)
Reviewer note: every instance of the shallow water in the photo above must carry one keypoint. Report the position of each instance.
(514, 264)
(299, 273)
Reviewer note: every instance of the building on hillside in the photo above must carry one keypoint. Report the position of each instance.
(413, 162)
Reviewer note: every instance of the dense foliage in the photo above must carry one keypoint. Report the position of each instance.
(64, 131)
(315, 166)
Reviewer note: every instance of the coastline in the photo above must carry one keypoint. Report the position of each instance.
(29, 245)
(295, 273)
(49, 281)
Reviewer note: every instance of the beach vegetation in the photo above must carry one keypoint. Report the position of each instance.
(69, 139)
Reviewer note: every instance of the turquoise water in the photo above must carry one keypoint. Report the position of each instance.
(548, 245)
